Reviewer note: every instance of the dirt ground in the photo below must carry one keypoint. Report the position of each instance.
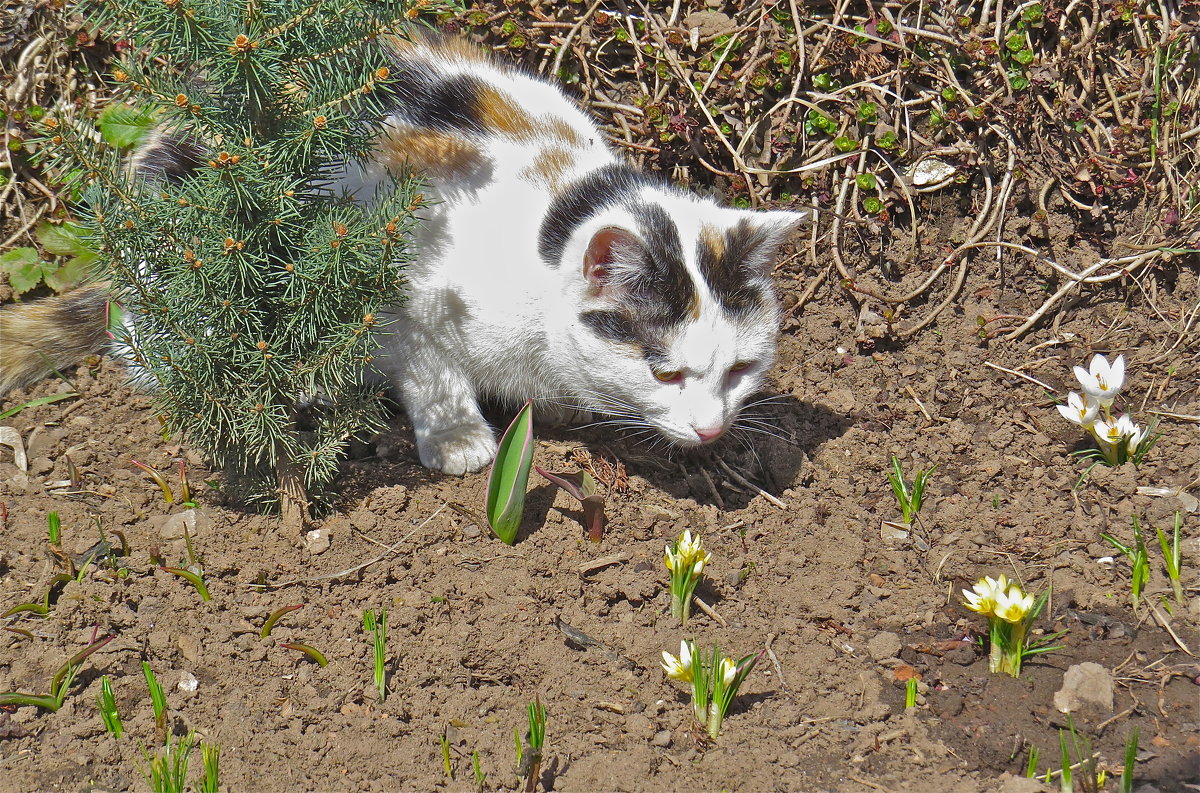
(803, 567)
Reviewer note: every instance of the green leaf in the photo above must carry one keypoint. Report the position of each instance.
(124, 126)
(510, 476)
(62, 240)
(25, 269)
(72, 273)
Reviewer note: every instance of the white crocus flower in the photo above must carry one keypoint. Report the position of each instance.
(1013, 605)
(1130, 431)
(986, 592)
(1102, 381)
(679, 668)
(728, 671)
(1108, 431)
(1080, 410)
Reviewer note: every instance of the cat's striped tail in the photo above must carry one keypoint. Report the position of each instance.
(42, 336)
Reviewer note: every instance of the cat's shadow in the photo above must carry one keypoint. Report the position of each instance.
(765, 451)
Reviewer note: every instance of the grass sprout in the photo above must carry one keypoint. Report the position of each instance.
(529, 760)
(107, 703)
(210, 754)
(910, 693)
(447, 765)
(375, 623)
(166, 770)
(1031, 763)
(1131, 747)
(54, 528)
(909, 497)
(60, 683)
(1139, 561)
(158, 700)
(478, 772)
(1173, 557)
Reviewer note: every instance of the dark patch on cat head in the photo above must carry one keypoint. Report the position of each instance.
(655, 294)
(732, 265)
(580, 201)
(425, 99)
(168, 157)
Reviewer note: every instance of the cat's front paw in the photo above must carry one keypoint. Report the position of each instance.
(459, 450)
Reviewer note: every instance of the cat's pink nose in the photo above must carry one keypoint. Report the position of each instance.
(707, 435)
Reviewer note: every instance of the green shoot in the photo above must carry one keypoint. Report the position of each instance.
(1011, 612)
(1031, 764)
(275, 616)
(166, 770)
(51, 702)
(107, 703)
(520, 750)
(910, 693)
(33, 403)
(158, 480)
(480, 775)
(714, 682)
(530, 760)
(1172, 557)
(185, 492)
(909, 498)
(192, 578)
(1138, 559)
(158, 700)
(685, 559)
(446, 763)
(376, 624)
(1078, 757)
(510, 476)
(1064, 779)
(210, 753)
(310, 651)
(54, 528)
(1131, 747)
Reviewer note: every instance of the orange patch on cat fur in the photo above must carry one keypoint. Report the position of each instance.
(714, 240)
(498, 114)
(561, 130)
(547, 169)
(435, 153)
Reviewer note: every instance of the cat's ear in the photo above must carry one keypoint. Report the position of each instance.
(778, 225)
(610, 255)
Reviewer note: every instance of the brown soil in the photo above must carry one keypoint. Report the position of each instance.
(478, 629)
(474, 625)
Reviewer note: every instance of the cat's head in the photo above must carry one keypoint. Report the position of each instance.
(674, 313)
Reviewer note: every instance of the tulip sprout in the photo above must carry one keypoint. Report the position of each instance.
(1010, 612)
(715, 682)
(685, 559)
(909, 498)
(510, 476)
(1118, 439)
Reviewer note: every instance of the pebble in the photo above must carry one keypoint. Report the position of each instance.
(317, 541)
(883, 645)
(1086, 686)
(661, 738)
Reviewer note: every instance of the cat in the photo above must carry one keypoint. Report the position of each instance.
(547, 268)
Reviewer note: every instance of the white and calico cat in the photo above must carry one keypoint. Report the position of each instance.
(546, 269)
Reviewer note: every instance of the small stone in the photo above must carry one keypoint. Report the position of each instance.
(362, 520)
(661, 738)
(471, 531)
(883, 645)
(188, 683)
(1086, 686)
(317, 541)
(1020, 784)
(946, 703)
(190, 647)
(196, 522)
(40, 465)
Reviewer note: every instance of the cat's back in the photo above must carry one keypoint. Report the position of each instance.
(470, 123)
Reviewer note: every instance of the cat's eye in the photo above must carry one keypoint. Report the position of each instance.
(740, 366)
(669, 377)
